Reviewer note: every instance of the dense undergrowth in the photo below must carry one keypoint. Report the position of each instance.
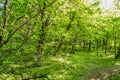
(79, 66)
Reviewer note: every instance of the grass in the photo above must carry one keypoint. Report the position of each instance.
(82, 66)
(79, 66)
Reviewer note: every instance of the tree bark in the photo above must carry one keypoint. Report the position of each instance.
(89, 48)
(73, 45)
(4, 20)
(115, 50)
(97, 45)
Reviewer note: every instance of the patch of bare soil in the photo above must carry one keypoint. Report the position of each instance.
(102, 74)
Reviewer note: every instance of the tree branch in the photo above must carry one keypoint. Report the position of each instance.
(19, 19)
(9, 37)
(41, 76)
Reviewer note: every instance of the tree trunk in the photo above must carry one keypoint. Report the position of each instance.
(4, 21)
(97, 45)
(89, 45)
(65, 46)
(73, 45)
(106, 43)
(115, 44)
(42, 35)
(118, 53)
(40, 46)
(58, 48)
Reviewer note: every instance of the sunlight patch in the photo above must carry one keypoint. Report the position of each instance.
(15, 66)
(109, 56)
(59, 75)
(117, 63)
(61, 60)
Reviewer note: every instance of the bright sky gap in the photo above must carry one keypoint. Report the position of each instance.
(107, 4)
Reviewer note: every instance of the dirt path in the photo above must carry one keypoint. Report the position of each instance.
(108, 73)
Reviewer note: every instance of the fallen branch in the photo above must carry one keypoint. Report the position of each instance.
(34, 77)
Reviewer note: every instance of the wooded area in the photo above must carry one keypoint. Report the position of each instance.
(59, 40)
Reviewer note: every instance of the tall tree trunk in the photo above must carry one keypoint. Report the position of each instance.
(105, 46)
(42, 35)
(4, 21)
(40, 49)
(106, 43)
(103, 42)
(41, 42)
(117, 56)
(73, 45)
(58, 48)
(89, 45)
(65, 46)
(97, 45)
(115, 50)
(114, 38)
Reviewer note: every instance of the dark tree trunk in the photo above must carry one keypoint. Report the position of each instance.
(4, 21)
(103, 44)
(106, 43)
(115, 45)
(65, 46)
(97, 45)
(89, 45)
(58, 48)
(0, 40)
(40, 46)
(118, 53)
(73, 45)
(42, 35)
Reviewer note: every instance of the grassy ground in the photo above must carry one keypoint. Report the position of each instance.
(84, 66)
(80, 66)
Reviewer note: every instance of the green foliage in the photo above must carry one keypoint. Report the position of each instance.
(38, 37)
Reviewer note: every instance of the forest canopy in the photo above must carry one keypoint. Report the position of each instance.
(34, 33)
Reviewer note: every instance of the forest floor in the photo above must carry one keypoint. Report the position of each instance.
(85, 66)
(79, 66)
